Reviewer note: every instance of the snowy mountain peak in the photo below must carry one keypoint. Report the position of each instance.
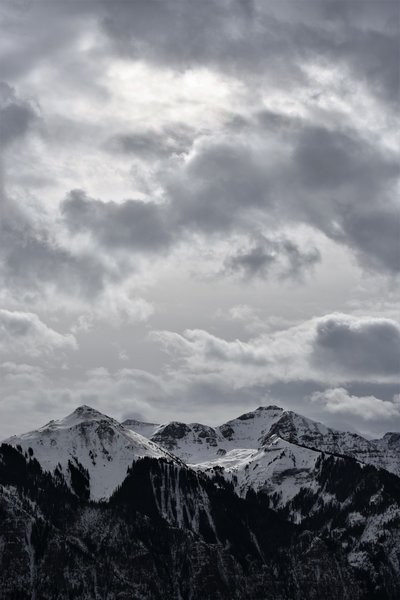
(260, 412)
(261, 430)
(82, 414)
(271, 407)
(97, 444)
(87, 412)
(296, 429)
(248, 430)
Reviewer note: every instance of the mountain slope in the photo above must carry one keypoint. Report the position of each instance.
(270, 514)
(302, 431)
(136, 545)
(91, 450)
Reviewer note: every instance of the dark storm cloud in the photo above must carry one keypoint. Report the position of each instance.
(360, 36)
(347, 188)
(375, 236)
(219, 187)
(357, 347)
(130, 225)
(333, 180)
(31, 256)
(33, 259)
(343, 164)
(330, 159)
(226, 34)
(16, 115)
(40, 32)
(258, 260)
(238, 36)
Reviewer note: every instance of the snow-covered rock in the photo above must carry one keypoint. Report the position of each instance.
(271, 450)
(383, 454)
(200, 444)
(195, 443)
(96, 442)
(279, 469)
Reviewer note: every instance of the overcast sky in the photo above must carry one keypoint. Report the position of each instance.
(199, 210)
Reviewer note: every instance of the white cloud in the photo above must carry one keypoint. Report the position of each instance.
(334, 348)
(24, 334)
(368, 408)
(118, 306)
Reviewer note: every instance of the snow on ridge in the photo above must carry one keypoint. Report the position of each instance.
(269, 448)
(196, 442)
(204, 447)
(104, 447)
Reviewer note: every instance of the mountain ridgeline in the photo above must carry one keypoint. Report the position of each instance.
(270, 505)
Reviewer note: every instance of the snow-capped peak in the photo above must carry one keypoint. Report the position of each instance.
(97, 442)
(248, 430)
(82, 414)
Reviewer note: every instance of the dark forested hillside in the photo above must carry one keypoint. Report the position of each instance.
(170, 533)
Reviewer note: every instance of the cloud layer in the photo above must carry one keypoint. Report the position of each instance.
(217, 179)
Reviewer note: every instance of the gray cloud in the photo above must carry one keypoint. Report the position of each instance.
(265, 122)
(231, 35)
(265, 254)
(332, 180)
(351, 193)
(330, 159)
(131, 225)
(236, 35)
(151, 145)
(16, 115)
(219, 188)
(374, 235)
(25, 334)
(32, 261)
(334, 348)
(39, 31)
(32, 257)
(358, 347)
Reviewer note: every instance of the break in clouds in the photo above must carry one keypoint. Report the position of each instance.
(199, 209)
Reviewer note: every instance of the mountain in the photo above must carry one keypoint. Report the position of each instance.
(195, 443)
(271, 505)
(170, 533)
(270, 448)
(305, 432)
(89, 449)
